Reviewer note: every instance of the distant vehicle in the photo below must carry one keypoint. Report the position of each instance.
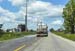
(42, 30)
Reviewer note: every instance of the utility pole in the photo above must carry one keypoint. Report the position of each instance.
(26, 16)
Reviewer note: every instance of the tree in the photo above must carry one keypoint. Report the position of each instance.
(1, 26)
(1, 31)
(32, 30)
(51, 29)
(69, 16)
(22, 27)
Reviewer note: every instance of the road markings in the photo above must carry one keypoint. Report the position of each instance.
(20, 48)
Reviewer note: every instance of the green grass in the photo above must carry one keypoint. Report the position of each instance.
(68, 36)
(8, 35)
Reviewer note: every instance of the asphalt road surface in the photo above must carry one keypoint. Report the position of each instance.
(52, 43)
(33, 43)
(18, 44)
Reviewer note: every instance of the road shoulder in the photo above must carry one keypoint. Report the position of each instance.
(65, 39)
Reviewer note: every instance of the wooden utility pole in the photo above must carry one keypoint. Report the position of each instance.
(26, 16)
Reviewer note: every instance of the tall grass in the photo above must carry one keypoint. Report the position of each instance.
(68, 36)
(8, 35)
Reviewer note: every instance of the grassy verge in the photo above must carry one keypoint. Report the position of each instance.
(8, 35)
(68, 36)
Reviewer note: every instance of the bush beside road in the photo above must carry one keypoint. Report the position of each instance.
(12, 35)
(68, 36)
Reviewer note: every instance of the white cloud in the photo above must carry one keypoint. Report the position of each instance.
(42, 9)
(39, 8)
(57, 22)
(17, 2)
(45, 9)
(37, 11)
(2, 20)
(20, 2)
(6, 16)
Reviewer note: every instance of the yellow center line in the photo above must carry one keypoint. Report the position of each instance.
(20, 48)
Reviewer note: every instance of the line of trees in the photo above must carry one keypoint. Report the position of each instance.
(69, 17)
(1, 31)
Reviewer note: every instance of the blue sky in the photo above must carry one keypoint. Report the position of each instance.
(12, 13)
(63, 2)
(7, 5)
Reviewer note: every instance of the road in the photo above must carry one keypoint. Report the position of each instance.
(33, 43)
(17, 44)
(52, 43)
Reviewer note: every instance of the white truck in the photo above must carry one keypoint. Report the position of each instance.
(42, 30)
